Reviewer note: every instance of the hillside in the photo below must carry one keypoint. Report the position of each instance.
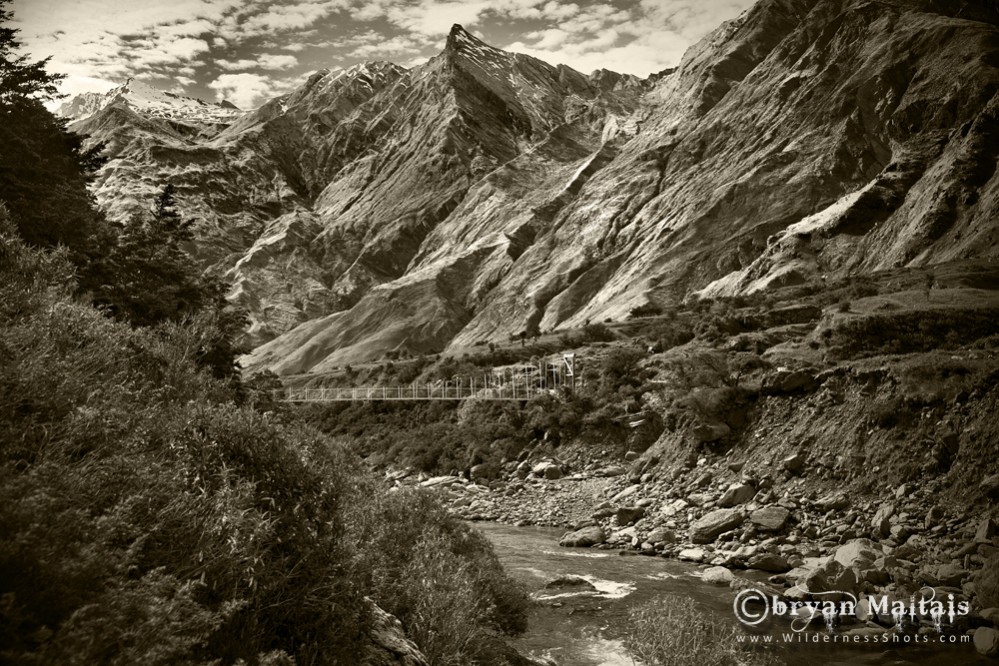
(486, 193)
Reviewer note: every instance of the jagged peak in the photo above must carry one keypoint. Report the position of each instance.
(460, 40)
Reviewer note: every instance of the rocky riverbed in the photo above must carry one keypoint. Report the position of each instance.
(812, 541)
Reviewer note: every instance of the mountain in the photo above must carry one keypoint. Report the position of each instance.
(149, 101)
(486, 193)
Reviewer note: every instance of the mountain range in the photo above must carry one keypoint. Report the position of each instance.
(485, 194)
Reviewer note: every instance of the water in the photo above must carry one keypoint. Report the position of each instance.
(587, 629)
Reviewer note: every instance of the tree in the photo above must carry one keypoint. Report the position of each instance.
(44, 169)
(20, 79)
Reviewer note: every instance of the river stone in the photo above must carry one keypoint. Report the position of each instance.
(438, 481)
(629, 514)
(673, 508)
(768, 562)
(717, 576)
(860, 553)
(737, 493)
(588, 536)
(661, 535)
(570, 582)
(987, 641)
(692, 554)
(707, 528)
(770, 518)
(991, 615)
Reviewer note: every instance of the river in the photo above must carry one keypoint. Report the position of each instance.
(587, 630)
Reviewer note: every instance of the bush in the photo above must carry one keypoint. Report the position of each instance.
(438, 576)
(672, 631)
(145, 517)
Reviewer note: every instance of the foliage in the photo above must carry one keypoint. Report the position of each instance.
(673, 631)
(146, 518)
(908, 332)
(20, 79)
(438, 576)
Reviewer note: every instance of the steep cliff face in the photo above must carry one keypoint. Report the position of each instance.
(805, 139)
(486, 193)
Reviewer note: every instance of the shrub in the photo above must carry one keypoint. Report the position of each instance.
(672, 631)
(438, 576)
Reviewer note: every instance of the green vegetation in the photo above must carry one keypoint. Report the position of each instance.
(673, 631)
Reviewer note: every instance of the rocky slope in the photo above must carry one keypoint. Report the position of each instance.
(485, 193)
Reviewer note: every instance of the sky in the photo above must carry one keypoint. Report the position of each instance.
(248, 51)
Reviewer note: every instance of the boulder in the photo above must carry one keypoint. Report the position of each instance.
(553, 472)
(771, 562)
(950, 575)
(576, 583)
(627, 492)
(789, 381)
(673, 508)
(692, 555)
(629, 514)
(990, 487)
(770, 518)
(991, 615)
(859, 553)
(588, 536)
(881, 523)
(699, 499)
(705, 433)
(389, 644)
(795, 464)
(439, 481)
(717, 576)
(737, 493)
(933, 517)
(986, 531)
(833, 501)
(987, 641)
(661, 535)
(707, 528)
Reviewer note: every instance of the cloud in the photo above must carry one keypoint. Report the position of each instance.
(196, 39)
(248, 91)
(646, 37)
(290, 17)
(277, 61)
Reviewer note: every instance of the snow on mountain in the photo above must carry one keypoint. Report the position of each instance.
(152, 102)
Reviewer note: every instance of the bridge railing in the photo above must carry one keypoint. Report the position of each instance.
(409, 392)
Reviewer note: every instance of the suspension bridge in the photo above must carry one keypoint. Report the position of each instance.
(516, 382)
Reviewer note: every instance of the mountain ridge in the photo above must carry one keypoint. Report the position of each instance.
(485, 194)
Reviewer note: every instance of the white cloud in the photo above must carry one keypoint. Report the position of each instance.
(277, 61)
(248, 91)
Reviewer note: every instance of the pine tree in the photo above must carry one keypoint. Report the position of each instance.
(20, 79)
